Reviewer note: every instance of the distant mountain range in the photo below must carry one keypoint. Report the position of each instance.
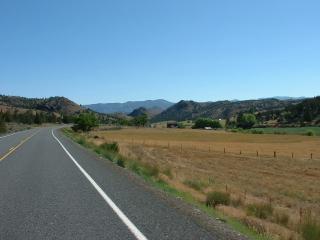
(129, 107)
(288, 111)
(286, 98)
(188, 110)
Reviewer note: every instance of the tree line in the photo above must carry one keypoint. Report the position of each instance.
(243, 120)
(305, 113)
(31, 117)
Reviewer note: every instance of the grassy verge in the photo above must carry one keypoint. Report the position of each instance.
(150, 173)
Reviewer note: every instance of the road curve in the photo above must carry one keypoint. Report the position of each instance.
(44, 194)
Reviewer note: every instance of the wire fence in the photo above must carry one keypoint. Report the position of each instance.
(219, 149)
(184, 148)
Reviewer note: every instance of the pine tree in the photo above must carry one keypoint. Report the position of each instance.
(3, 127)
(38, 119)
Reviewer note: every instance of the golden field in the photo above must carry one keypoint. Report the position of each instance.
(253, 168)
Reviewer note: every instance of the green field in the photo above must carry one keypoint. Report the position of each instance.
(292, 130)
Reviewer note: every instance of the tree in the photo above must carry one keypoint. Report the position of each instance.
(246, 120)
(307, 115)
(52, 118)
(27, 117)
(206, 122)
(8, 116)
(67, 119)
(3, 127)
(16, 116)
(39, 118)
(123, 122)
(141, 120)
(231, 123)
(85, 122)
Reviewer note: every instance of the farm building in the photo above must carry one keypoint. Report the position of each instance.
(172, 124)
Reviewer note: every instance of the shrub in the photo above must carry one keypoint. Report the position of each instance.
(97, 150)
(255, 131)
(150, 170)
(310, 133)
(279, 132)
(206, 122)
(260, 210)
(310, 228)
(195, 184)
(120, 162)
(81, 141)
(134, 166)
(109, 151)
(110, 147)
(216, 198)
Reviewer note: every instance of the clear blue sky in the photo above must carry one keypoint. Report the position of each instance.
(110, 51)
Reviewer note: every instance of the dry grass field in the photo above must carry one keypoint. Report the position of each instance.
(256, 170)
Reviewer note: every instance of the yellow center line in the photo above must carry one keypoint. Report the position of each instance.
(11, 150)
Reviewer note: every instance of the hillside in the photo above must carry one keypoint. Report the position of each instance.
(59, 105)
(306, 112)
(129, 107)
(188, 110)
(151, 112)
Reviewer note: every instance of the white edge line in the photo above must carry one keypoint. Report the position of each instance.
(14, 133)
(133, 229)
(8, 135)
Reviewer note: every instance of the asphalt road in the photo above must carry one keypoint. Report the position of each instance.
(52, 188)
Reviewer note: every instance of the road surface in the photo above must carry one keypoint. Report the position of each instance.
(52, 188)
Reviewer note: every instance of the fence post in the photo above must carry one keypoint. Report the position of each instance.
(292, 155)
(240, 152)
(226, 188)
(224, 150)
(274, 154)
(257, 154)
(311, 155)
